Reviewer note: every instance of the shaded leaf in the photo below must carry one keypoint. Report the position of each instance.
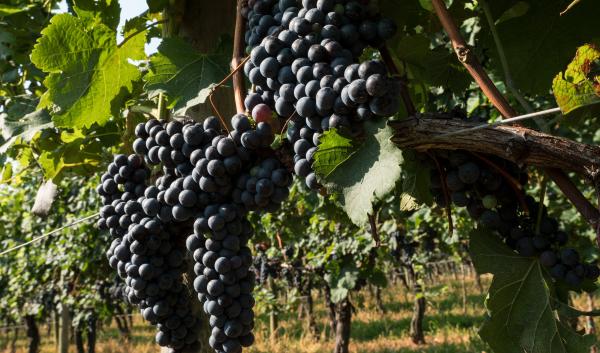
(7, 10)
(367, 175)
(539, 43)
(436, 67)
(415, 183)
(185, 75)
(521, 317)
(157, 5)
(22, 121)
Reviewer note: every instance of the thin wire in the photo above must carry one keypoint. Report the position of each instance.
(50, 233)
(503, 122)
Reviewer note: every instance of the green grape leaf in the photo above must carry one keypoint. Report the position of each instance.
(343, 283)
(107, 12)
(521, 315)
(7, 10)
(577, 89)
(7, 41)
(185, 75)
(377, 277)
(71, 152)
(333, 150)
(21, 120)
(415, 183)
(157, 5)
(539, 43)
(89, 78)
(435, 67)
(368, 174)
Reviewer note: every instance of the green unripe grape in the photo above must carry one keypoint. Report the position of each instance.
(489, 201)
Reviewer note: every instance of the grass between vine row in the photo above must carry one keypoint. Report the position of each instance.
(450, 327)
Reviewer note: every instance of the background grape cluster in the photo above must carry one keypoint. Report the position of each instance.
(523, 223)
(188, 190)
(304, 67)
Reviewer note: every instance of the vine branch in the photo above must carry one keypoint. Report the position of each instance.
(514, 143)
(237, 61)
(470, 62)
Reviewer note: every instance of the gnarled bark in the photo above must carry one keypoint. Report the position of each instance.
(343, 312)
(33, 334)
(514, 143)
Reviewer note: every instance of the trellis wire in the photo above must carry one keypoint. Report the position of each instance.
(50, 233)
(503, 122)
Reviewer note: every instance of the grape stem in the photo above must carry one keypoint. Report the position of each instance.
(446, 192)
(404, 94)
(514, 184)
(153, 24)
(467, 58)
(287, 121)
(541, 207)
(236, 64)
(470, 62)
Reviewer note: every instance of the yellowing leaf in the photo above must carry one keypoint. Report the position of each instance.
(577, 89)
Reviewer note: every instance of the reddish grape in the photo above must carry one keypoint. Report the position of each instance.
(262, 113)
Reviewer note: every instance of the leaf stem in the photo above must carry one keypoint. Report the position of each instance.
(447, 198)
(162, 110)
(538, 221)
(140, 31)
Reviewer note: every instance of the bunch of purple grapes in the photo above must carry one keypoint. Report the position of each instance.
(304, 66)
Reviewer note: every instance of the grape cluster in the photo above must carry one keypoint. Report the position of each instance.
(209, 181)
(265, 186)
(120, 187)
(146, 253)
(303, 64)
(265, 268)
(490, 200)
(404, 246)
(224, 282)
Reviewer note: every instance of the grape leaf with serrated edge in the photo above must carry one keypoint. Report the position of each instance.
(521, 317)
(90, 77)
(185, 75)
(577, 89)
(333, 149)
(368, 174)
